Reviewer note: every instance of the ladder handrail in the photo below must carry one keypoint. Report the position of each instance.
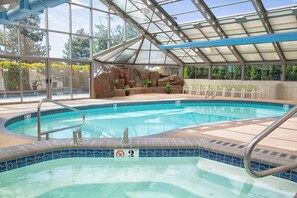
(261, 136)
(55, 130)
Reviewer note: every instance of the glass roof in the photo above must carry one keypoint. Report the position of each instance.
(136, 51)
(165, 22)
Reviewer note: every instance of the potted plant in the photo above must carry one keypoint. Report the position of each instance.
(168, 88)
(35, 84)
(116, 83)
(127, 90)
(147, 82)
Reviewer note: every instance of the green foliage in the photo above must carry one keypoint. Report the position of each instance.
(116, 82)
(219, 72)
(196, 72)
(127, 88)
(31, 38)
(263, 72)
(12, 75)
(168, 87)
(291, 72)
(100, 43)
(226, 72)
(131, 32)
(147, 82)
(80, 46)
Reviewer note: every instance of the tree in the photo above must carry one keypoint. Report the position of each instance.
(117, 35)
(80, 46)
(31, 39)
(100, 43)
(131, 32)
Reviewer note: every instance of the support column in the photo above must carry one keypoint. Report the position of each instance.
(210, 72)
(284, 72)
(242, 72)
(181, 71)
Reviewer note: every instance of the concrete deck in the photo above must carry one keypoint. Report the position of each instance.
(283, 139)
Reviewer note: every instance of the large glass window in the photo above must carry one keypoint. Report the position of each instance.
(291, 73)
(59, 45)
(81, 80)
(169, 70)
(116, 30)
(82, 2)
(263, 72)
(80, 47)
(202, 72)
(9, 40)
(61, 80)
(199, 72)
(226, 72)
(99, 5)
(33, 80)
(9, 81)
(131, 32)
(80, 20)
(33, 42)
(100, 31)
(34, 20)
(58, 18)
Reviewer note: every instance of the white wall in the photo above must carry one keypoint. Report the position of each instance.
(288, 91)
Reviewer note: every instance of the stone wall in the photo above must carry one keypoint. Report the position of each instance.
(134, 77)
(288, 89)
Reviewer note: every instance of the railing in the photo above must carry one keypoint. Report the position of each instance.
(261, 136)
(60, 129)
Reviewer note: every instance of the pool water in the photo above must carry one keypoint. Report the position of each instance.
(143, 120)
(144, 177)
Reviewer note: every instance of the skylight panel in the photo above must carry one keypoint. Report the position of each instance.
(269, 4)
(233, 9)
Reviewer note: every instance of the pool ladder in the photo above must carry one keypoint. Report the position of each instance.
(77, 134)
(261, 136)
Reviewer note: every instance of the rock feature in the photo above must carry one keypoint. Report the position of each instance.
(174, 80)
(137, 75)
(154, 76)
(133, 76)
(104, 86)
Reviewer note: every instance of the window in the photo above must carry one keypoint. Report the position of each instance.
(263, 72)
(291, 73)
(199, 72)
(9, 81)
(81, 80)
(226, 72)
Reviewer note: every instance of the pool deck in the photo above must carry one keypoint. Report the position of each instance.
(238, 133)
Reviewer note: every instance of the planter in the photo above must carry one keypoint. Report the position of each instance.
(167, 91)
(127, 92)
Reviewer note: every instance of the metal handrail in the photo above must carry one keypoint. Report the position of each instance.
(261, 136)
(55, 130)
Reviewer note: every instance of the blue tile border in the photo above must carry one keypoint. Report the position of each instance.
(150, 152)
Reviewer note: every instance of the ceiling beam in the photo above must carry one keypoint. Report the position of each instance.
(212, 20)
(262, 13)
(266, 38)
(174, 27)
(143, 31)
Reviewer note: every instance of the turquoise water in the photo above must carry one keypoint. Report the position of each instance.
(141, 178)
(145, 120)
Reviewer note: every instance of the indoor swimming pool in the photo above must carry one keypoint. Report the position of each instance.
(144, 119)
